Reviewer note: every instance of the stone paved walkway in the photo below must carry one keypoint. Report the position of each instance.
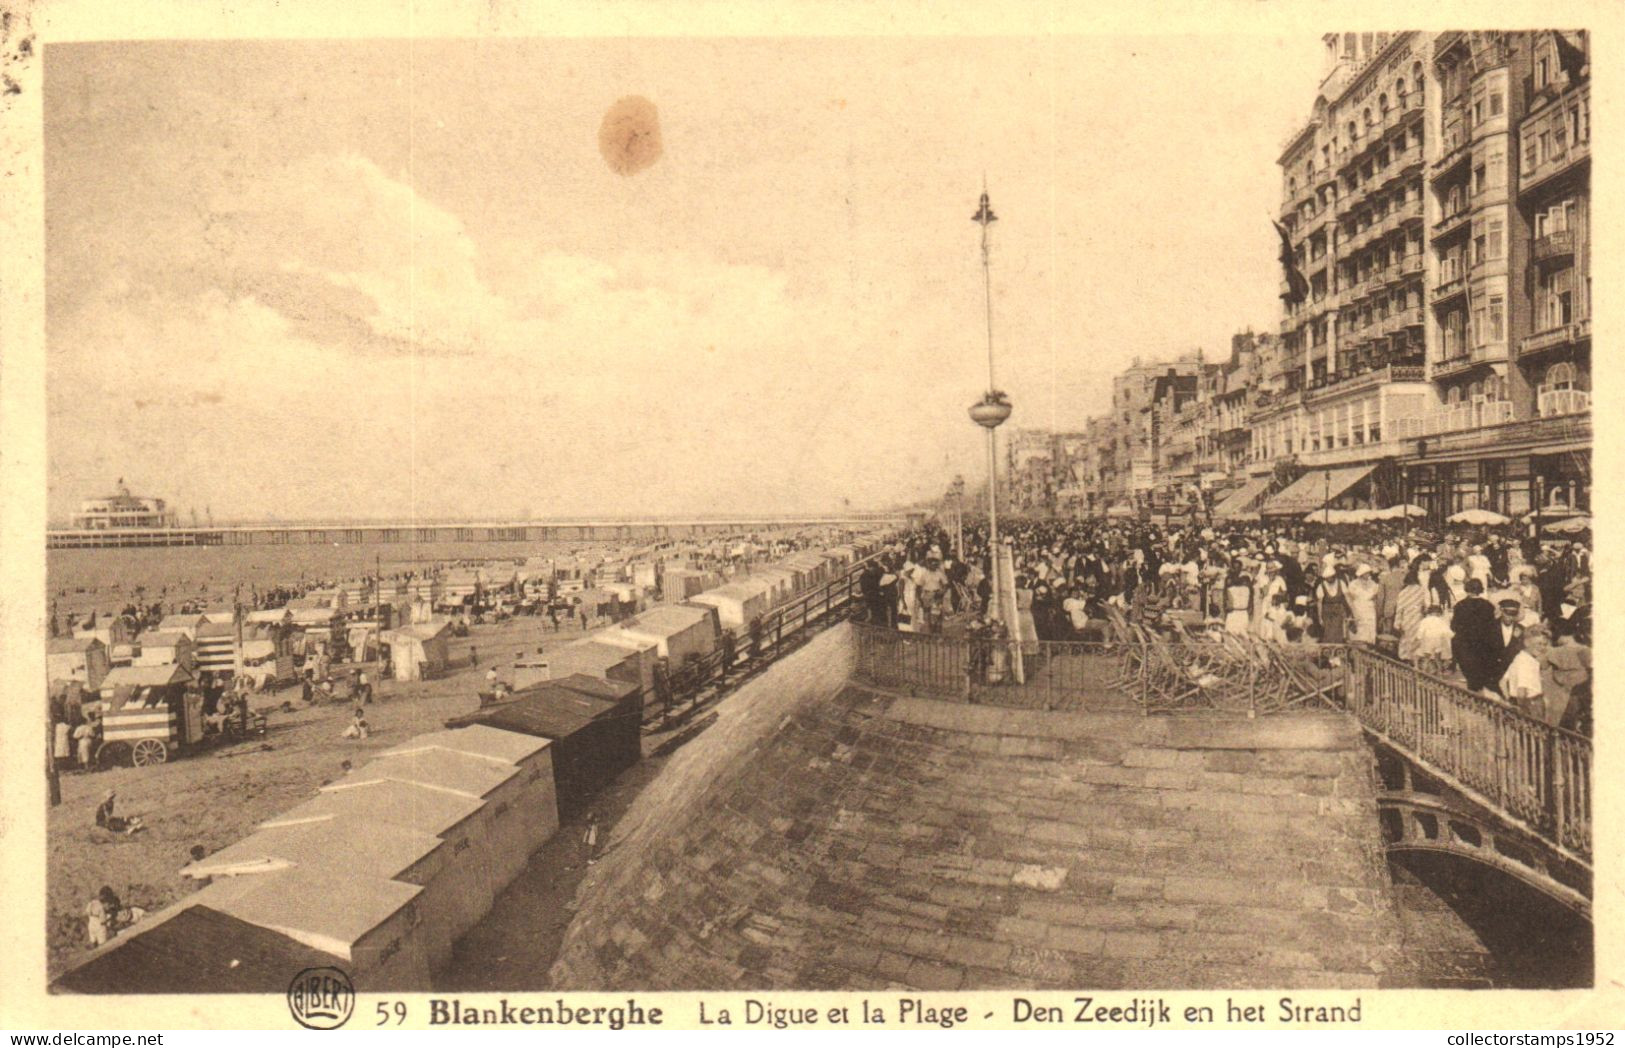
(870, 840)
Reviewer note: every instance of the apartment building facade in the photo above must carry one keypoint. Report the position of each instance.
(1437, 204)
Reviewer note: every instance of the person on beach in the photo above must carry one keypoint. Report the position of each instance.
(100, 913)
(108, 820)
(358, 725)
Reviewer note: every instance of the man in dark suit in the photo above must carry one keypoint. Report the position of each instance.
(1509, 632)
(1477, 643)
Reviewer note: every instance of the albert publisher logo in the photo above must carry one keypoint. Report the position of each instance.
(321, 998)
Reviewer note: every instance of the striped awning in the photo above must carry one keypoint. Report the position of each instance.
(1313, 490)
(1242, 499)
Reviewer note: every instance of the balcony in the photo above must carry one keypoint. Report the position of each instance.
(1563, 402)
(1555, 338)
(1454, 419)
(1452, 223)
(1452, 156)
(1354, 380)
(1554, 246)
(1449, 289)
(1410, 265)
(1405, 318)
(1464, 362)
(1404, 162)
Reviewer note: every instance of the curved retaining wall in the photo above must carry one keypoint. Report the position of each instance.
(828, 835)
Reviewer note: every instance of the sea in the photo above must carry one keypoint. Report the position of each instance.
(106, 579)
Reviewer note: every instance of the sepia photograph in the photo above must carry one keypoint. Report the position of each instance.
(921, 514)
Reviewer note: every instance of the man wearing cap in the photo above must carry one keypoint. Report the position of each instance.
(1509, 631)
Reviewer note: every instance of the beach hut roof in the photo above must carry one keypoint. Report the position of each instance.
(71, 645)
(342, 845)
(477, 740)
(418, 631)
(145, 676)
(458, 773)
(162, 639)
(547, 710)
(394, 803)
(321, 908)
(197, 949)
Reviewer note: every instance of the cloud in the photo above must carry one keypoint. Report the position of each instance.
(352, 353)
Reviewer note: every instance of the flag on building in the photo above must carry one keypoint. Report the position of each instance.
(1297, 287)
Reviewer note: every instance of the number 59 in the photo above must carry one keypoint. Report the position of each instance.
(387, 1010)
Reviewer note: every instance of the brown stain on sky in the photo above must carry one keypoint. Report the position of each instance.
(629, 137)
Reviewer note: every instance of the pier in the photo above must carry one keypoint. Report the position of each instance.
(352, 533)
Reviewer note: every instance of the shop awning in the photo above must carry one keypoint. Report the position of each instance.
(1242, 499)
(1313, 490)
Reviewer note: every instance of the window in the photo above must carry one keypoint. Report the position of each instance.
(1495, 103)
(1543, 72)
(1560, 376)
(1531, 151)
(1399, 94)
(1480, 326)
(1478, 250)
(1493, 250)
(1497, 318)
(1497, 167)
(1479, 175)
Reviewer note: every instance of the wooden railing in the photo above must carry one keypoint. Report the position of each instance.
(1528, 772)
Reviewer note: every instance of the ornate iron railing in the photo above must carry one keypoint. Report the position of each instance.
(1528, 772)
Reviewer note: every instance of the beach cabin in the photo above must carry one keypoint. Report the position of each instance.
(370, 923)
(680, 584)
(465, 881)
(782, 583)
(83, 659)
(594, 658)
(533, 817)
(190, 949)
(737, 603)
(499, 788)
(677, 631)
(333, 598)
(594, 735)
(459, 586)
(161, 648)
(418, 651)
(184, 622)
(215, 646)
(350, 848)
(144, 685)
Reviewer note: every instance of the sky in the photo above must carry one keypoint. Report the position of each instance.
(398, 279)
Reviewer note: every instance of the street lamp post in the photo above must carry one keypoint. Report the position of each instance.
(1405, 502)
(991, 411)
(1328, 502)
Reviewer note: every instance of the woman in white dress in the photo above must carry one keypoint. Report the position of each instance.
(1238, 600)
(1362, 600)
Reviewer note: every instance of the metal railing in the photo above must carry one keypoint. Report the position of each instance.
(681, 689)
(1137, 669)
(1530, 773)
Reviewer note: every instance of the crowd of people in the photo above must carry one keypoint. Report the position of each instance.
(1504, 615)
